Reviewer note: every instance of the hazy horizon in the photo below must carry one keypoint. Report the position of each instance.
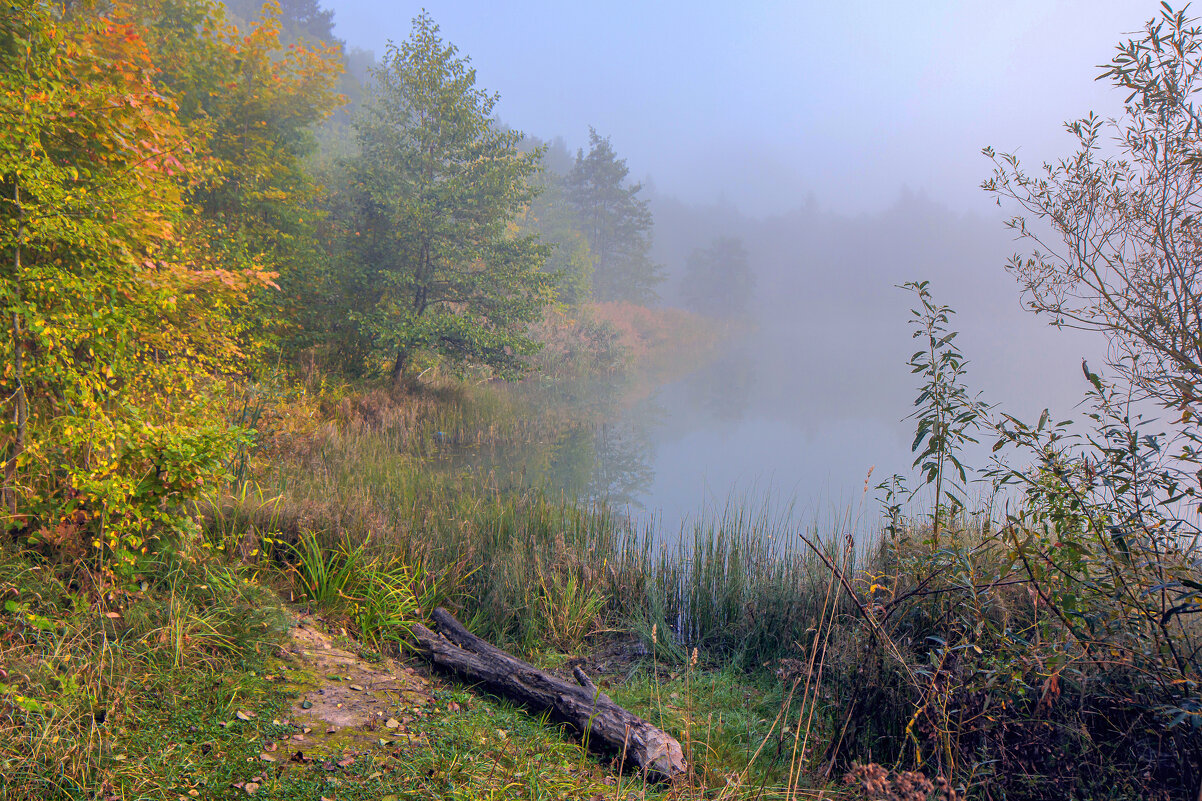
(770, 105)
(842, 146)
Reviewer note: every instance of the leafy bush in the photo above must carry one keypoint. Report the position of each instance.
(1055, 650)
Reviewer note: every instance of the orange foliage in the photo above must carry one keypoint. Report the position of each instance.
(651, 334)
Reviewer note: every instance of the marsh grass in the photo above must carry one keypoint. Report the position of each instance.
(81, 660)
(522, 566)
(742, 587)
(142, 705)
(538, 574)
(929, 654)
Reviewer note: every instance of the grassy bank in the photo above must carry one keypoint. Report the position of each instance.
(183, 688)
(1005, 657)
(983, 659)
(531, 569)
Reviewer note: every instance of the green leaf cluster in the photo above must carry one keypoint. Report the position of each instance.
(946, 414)
(436, 192)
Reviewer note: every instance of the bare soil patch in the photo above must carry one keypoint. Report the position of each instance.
(349, 698)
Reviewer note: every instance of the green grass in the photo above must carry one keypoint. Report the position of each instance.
(524, 567)
(144, 705)
(920, 655)
(485, 748)
(84, 663)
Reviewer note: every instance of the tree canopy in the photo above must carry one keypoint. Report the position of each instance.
(1125, 209)
(299, 19)
(617, 223)
(169, 240)
(122, 316)
(439, 185)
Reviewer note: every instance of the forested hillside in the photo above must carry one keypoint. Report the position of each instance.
(176, 234)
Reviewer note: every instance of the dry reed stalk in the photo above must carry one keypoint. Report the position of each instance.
(819, 645)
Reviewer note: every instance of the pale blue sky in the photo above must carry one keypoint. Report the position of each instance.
(767, 102)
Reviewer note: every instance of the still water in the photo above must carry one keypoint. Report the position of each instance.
(785, 421)
(745, 427)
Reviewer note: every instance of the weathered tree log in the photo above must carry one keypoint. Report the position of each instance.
(603, 726)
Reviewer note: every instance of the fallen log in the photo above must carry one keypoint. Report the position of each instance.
(603, 726)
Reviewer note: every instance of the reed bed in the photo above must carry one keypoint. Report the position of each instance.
(530, 567)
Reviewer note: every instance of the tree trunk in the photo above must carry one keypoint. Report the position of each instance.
(398, 367)
(604, 726)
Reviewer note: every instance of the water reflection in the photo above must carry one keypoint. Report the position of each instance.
(601, 454)
(622, 474)
(722, 389)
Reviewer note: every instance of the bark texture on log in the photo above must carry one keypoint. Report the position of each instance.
(604, 726)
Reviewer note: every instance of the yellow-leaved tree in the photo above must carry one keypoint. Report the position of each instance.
(118, 310)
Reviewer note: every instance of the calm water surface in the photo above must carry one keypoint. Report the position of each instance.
(751, 426)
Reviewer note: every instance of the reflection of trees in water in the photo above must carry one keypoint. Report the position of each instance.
(572, 452)
(723, 388)
(610, 462)
(576, 455)
(614, 460)
(571, 462)
(622, 473)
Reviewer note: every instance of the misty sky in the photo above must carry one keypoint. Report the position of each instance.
(877, 113)
(766, 103)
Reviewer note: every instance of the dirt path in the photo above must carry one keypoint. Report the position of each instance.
(345, 698)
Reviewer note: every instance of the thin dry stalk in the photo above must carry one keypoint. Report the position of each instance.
(821, 638)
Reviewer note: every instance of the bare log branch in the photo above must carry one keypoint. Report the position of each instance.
(603, 726)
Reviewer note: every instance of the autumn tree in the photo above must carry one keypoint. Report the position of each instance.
(439, 185)
(107, 432)
(617, 222)
(718, 280)
(300, 20)
(249, 105)
(1115, 228)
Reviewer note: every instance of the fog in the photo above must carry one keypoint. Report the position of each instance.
(841, 144)
(770, 103)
